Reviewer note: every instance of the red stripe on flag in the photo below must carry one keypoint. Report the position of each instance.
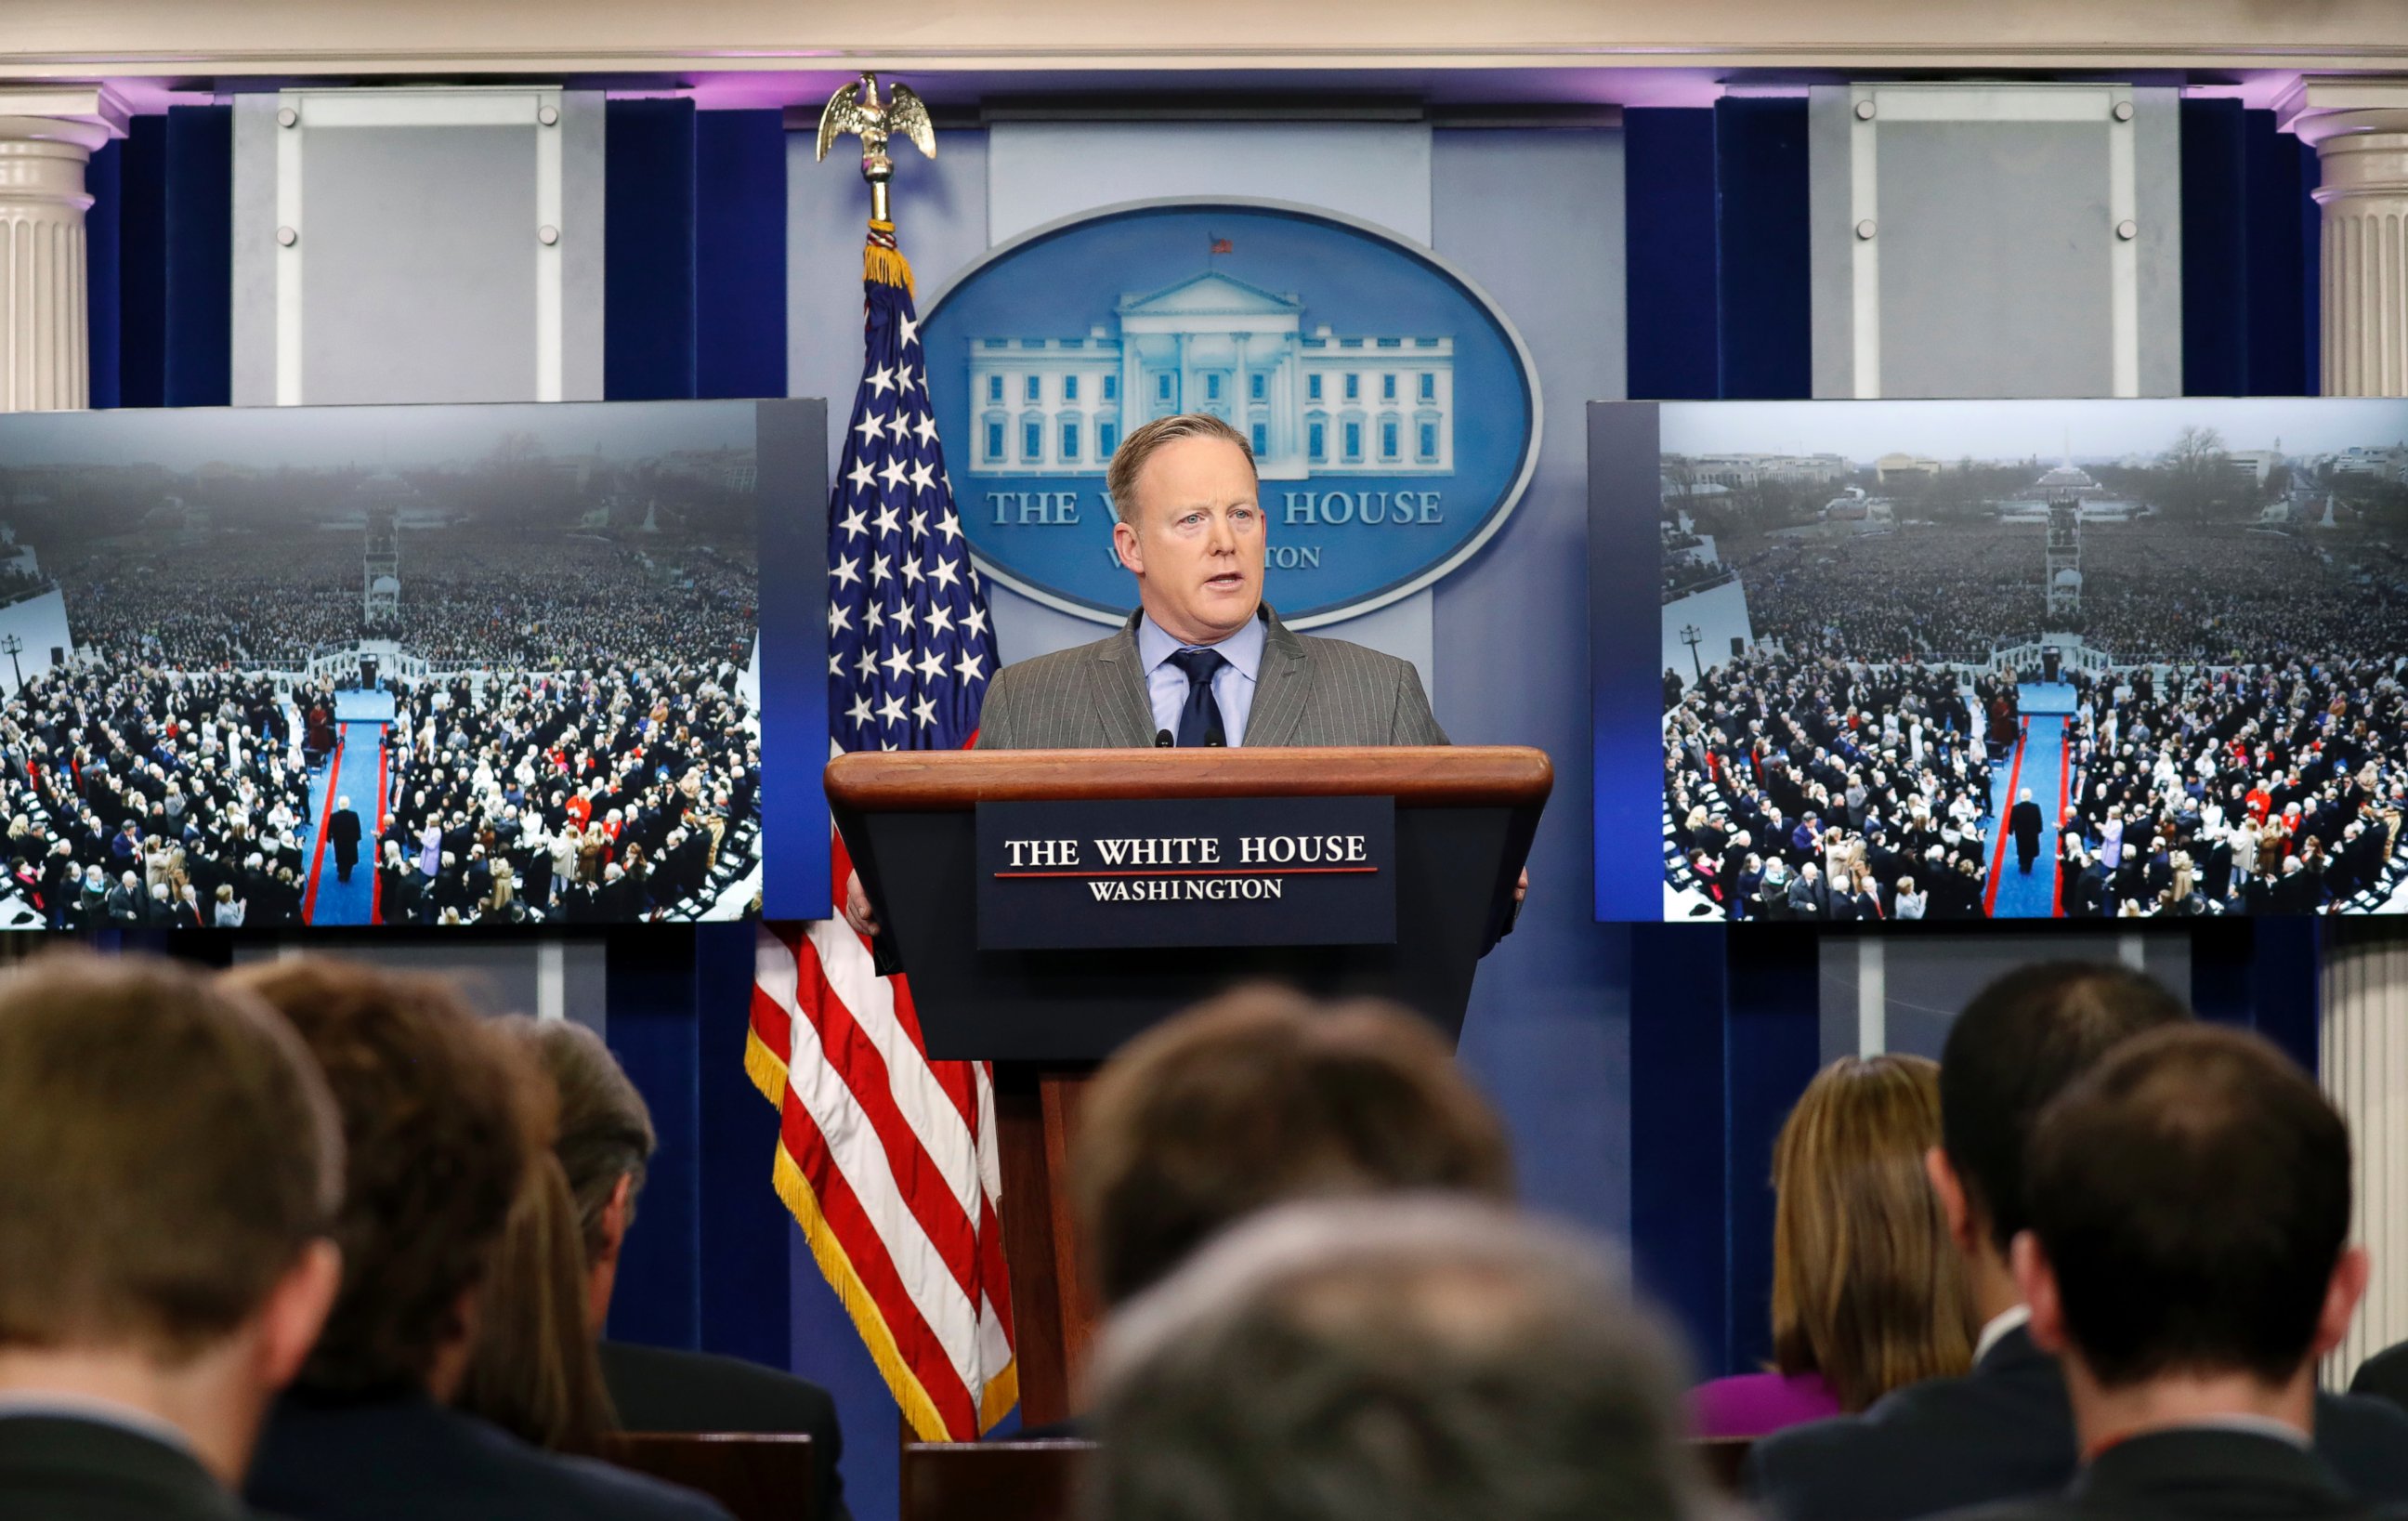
(917, 1177)
(954, 1077)
(866, 1251)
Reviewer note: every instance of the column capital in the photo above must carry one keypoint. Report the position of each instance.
(2322, 106)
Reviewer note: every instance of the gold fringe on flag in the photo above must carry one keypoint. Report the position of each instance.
(881, 262)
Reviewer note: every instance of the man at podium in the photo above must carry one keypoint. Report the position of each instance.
(1203, 661)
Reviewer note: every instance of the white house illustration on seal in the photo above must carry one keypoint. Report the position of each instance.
(1311, 403)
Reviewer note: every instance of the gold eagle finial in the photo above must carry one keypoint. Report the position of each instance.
(856, 108)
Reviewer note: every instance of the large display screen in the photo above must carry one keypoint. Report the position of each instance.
(425, 665)
(1958, 661)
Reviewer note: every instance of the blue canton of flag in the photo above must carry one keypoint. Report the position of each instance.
(910, 651)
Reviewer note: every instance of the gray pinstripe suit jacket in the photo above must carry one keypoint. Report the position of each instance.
(1309, 692)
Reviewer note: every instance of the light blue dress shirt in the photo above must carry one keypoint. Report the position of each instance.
(1233, 684)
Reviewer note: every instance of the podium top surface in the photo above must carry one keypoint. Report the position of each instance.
(1417, 776)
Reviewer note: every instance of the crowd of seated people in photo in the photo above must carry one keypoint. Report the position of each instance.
(138, 796)
(2247, 751)
(361, 1241)
(606, 797)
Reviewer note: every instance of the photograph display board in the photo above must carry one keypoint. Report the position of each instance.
(424, 665)
(1957, 660)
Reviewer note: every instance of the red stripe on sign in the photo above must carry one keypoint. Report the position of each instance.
(1209, 872)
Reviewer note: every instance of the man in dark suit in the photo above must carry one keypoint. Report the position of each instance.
(2188, 1289)
(2024, 823)
(146, 1339)
(438, 1117)
(2006, 1431)
(605, 1143)
(343, 833)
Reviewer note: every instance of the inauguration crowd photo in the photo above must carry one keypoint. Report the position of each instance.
(2032, 660)
(427, 666)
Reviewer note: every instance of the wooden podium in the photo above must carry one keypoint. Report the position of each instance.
(1463, 821)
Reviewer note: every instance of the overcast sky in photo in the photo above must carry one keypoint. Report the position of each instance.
(2014, 430)
(372, 438)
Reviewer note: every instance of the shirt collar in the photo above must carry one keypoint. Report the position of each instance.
(1998, 1327)
(1242, 649)
(84, 1406)
(2255, 1426)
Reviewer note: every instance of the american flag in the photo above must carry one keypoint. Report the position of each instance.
(888, 1159)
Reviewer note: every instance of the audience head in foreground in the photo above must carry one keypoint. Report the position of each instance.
(604, 1143)
(170, 1166)
(1409, 1359)
(2188, 1257)
(444, 1118)
(1866, 1294)
(1261, 1096)
(2017, 1044)
(439, 1120)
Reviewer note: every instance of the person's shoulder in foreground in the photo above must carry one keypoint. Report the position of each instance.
(401, 1456)
(2179, 1474)
(665, 1389)
(2384, 1376)
(2002, 1429)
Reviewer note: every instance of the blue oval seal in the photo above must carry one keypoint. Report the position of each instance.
(1392, 409)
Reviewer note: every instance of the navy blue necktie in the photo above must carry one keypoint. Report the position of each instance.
(1199, 719)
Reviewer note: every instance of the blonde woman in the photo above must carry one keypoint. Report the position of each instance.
(1868, 1294)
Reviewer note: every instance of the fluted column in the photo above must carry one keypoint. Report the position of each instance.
(47, 136)
(2360, 128)
(2365, 1073)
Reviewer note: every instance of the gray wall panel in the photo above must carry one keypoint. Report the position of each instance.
(1828, 237)
(418, 265)
(581, 269)
(1548, 1032)
(1994, 239)
(254, 251)
(2157, 151)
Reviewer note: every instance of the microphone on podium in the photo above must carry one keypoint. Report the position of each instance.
(1162, 739)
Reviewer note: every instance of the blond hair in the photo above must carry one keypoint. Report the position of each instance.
(1866, 1289)
(1142, 444)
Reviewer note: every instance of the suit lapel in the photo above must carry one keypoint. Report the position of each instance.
(1117, 683)
(1280, 688)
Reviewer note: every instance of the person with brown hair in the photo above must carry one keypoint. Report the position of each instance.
(1868, 1294)
(442, 1118)
(1260, 1096)
(170, 1165)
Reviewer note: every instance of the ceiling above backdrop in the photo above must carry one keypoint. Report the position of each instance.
(1064, 55)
